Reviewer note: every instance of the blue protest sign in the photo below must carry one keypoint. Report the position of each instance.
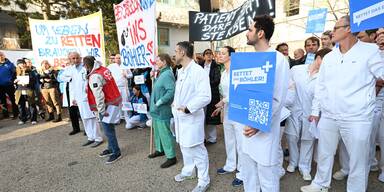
(252, 77)
(316, 20)
(366, 14)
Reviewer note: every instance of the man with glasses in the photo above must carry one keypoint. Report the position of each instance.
(346, 104)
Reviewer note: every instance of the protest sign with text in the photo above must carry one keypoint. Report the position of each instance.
(52, 40)
(218, 26)
(136, 31)
(366, 14)
(316, 20)
(252, 78)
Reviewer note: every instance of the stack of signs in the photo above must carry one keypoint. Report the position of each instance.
(219, 26)
(52, 40)
(316, 20)
(136, 31)
(366, 14)
(251, 89)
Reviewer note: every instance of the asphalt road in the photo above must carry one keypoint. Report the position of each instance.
(44, 158)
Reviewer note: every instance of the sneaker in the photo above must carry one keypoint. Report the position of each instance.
(88, 143)
(113, 158)
(339, 175)
(200, 188)
(307, 177)
(381, 177)
(282, 172)
(96, 144)
(374, 168)
(34, 122)
(221, 171)
(169, 163)
(180, 177)
(312, 188)
(291, 168)
(105, 153)
(155, 154)
(237, 182)
(21, 123)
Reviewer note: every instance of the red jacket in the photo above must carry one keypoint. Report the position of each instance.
(111, 92)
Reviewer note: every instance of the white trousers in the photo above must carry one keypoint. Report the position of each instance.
(196, 156)
(133, 122)
(125, 97)
(375, 131)
(233, 134)
(303, 157)
(343, 158)
(380, 139)
(356, 136)
(92, 129)
(211, 133)
(260, 178)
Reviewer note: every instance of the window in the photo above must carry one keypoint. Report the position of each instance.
(163, 36)
(292, 7)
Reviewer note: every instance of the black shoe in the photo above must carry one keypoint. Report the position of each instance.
(74, 132)
(97, 143)
(88, 143)
(5, 115)
(113, 158)
(209, 143)
(105, 153)
(169, 163)
(42, 115)
(58, 118)
(155, 154)
(50, 117)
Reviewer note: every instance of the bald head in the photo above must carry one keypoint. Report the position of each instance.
(117, 59)
(2, 57)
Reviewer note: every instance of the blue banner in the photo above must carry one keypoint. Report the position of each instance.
(366, 14)
(316, 20)
(252, 78)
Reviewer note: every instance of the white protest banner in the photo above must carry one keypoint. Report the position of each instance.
(52, 40)
(136, 31)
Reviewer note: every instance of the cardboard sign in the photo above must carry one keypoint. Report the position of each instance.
(223, 25)
(136, 31)
(252, 77)
(52, 40)
(366, 14)
(316, 20)
(139, 79)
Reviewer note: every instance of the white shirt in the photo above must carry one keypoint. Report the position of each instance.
(117, 74)
(263, 147)
(346, 84)
(207, 67)
(194, 92)
(224, 88)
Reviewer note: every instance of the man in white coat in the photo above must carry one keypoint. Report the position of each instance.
(78, 95)
(192, 94)
(121, 78)
(261, 158)
(346, 103)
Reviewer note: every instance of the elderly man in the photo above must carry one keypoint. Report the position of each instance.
(346, 104)
(7, 73)
(192, 94)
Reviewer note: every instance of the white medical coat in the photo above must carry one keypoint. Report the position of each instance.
(345, 89)
(194, 92)
(263, 147)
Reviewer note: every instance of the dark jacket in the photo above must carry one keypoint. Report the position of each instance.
(48, 79)
(7, 73)
(214, 78)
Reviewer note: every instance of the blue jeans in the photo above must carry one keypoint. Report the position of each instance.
(109, 131)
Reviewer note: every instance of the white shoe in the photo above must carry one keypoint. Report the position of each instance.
(312, 188)
(21, 123)
(282, 172)
(180, 177)
(307, 177)
(200, 188)
(381, 177)
(34, 122)
(291, 168)
(149, 123)
(339, 175)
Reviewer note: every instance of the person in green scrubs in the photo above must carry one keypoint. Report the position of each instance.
(160, 110)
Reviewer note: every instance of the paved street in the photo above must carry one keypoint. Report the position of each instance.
(44, 158)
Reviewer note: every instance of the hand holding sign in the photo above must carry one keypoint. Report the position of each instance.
(249, 131)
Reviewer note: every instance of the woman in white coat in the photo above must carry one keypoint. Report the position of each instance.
(303, 78)
(233, 131)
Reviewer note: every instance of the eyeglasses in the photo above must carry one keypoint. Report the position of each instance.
(338, 27)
